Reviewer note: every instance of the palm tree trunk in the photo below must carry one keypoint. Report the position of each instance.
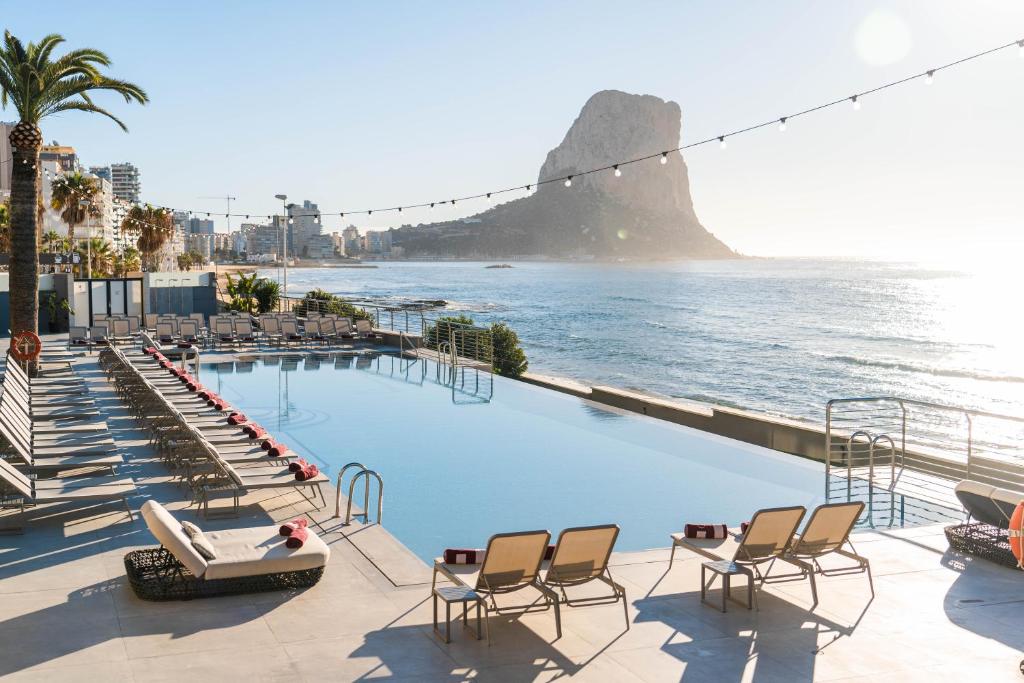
(25, 141)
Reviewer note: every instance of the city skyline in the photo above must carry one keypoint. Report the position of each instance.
(921, 171)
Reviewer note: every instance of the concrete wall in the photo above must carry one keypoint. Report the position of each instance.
(47, 283)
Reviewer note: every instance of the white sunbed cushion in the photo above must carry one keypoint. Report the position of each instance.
(168, 531)
(261, 550)
(712, 548)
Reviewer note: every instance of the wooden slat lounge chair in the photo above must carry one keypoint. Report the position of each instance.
(767, 539)
(512, 562)
(245, 561)
(581, 555)
(75, 489)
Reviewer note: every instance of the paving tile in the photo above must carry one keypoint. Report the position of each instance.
(233, 629)
(387, 653)
(266, 664)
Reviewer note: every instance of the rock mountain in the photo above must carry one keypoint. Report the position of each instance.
(645, 213)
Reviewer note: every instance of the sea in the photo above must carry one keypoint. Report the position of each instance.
(774, 336)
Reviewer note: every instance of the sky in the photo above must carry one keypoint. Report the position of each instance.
(361, 105)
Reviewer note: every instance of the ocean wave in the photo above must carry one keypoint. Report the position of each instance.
(904, 366)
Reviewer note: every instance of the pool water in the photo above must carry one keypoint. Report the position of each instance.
(492, 454)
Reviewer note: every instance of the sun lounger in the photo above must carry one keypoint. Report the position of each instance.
(245, 561)
(74, 489)
(581, 556)
(827, 532)
(766, 540)
(986, 536)
(365, 331)
(512, 562)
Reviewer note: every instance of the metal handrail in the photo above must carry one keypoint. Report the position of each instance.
(926, 404)
(184, 358)
(341, 473)
(366, 499)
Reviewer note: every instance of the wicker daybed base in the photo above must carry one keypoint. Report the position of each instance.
(982, 540)
(155, 574)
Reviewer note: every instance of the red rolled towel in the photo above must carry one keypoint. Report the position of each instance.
(252, 428)
(268, 444)
(464, 556)
(297, 465)
(297, 538)
(256, 433)
(277, 450)
(211, 398)
(159, 356)
(192, 386)
(705, 531)
(165, 363)
(237, 419)
(288, 528)
(743, 527)
(149, 350)
(204, 395)
(307, 472)
(221, 405)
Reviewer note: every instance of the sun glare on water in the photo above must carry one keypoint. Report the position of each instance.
(882, 38)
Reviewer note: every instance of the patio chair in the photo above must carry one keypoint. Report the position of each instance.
(581, 556)
(120, 331)
(134, 325)
(512, 562)
(313, 332)
(984, 533)
(21, 447)
(151, 320)
(98, 335)
(290, 332)
(225, 332)
(767, 539)
(245, 561)
(71, 490)
(190, 331)
(199, 318)
(78, 337)
(365, 331)
(99, 318)
(244, 332)
(827, 531)
(165, 333)
(328, 329)
(270, 329)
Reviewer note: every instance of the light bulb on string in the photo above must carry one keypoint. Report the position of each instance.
(399, 209)
(1020, 45)
(618, 173)
(782, 124)
(929, 78)
(568, 181)
(488, 197)
(856, 103)
(431, 206)
(721, 142)
(664, 158)
(453, 202)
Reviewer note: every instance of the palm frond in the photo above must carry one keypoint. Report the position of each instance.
(85, 106)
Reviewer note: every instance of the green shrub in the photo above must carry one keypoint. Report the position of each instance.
(509, 358)
(442, 329)
(318, 300)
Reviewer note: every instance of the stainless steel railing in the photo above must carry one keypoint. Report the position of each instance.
(365, 473)
(913, 452)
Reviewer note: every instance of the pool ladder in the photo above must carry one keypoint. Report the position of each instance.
(364, 473)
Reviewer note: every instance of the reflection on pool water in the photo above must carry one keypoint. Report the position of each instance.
(493, 454)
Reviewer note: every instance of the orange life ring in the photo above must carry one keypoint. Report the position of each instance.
(26, 346)
(1017, 533)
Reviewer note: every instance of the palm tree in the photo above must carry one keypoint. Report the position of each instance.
(5, 228)
(102, 253)
(38, 86)
(154, 226)
(127, 262)
(53, 241)
(68, 191)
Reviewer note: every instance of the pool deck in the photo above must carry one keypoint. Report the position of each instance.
(67, 613)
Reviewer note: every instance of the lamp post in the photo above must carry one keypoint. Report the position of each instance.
(84, 204)
(284, 249)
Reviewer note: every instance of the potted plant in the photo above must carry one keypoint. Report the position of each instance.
(59, 310)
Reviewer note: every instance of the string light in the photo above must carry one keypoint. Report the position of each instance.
(488, 197)
(568, 181)
(781, 122)
(721, 142)
(929, 77)
(1020, 51)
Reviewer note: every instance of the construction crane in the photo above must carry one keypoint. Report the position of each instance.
(228, 199)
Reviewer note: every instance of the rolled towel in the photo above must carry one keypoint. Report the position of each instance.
(297, 538)
(277, 450)
(165, 363)
(252, 428)
(307, 472)
(464, 556)
(221, 405)
(149, 350)
(743, 527)
(204, 395)
(705, 531)
(268, 444)
(193, 386)
(289, 527)
(237, 419)
(257, 433)
(297, 465)
(212, 398)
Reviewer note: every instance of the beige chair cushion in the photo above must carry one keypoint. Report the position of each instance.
(168, 531)
(261, 550)
(190, 529)
(712, 548)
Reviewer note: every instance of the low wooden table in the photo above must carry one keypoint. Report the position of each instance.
(726, 569)
(457, 594)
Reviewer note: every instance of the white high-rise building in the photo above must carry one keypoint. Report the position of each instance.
(126, 181)
(306, 226)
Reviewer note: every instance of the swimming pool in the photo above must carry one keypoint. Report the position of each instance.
(499, 455)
